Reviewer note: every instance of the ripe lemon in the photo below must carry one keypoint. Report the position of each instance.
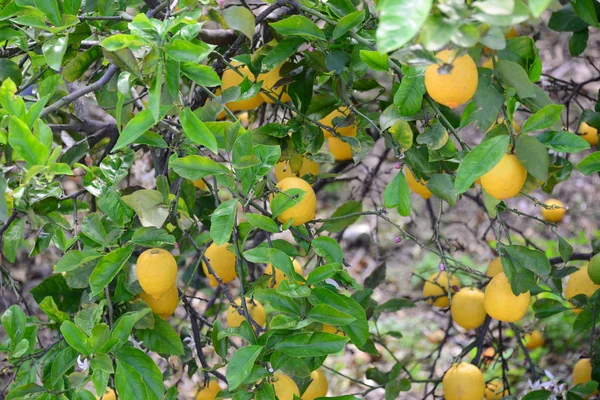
(435, 288)
(512, 33)
(109, 394)
(534, 340)
(515, 125)
(270, 79)
(305, 209)
(494, 267)
(318, 387)
(463, 381)
(285, 387)
(165, 305)
(467, 308)
(210, 392)
(256, 310)
(489, 64)
(455, 87)
(594, 269)
(580, 283)
(332, 329)
(231, 78)
(554, 214)
(582, 371)
(417, 186)
(200, 184)
(222, 262)
(284, 169)
(345, 130)
(279, 275)
(156, 270)
(506, 179)
(501, 303)
(340, 150)
(494, 390)
(589, 133)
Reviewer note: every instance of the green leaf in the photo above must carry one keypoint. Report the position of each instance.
(563, 141)
(201, 74)
(129, 382)
(435, 136)
(578, 42)
(326, 314)
(399, 22)
(25, 144)
(329, 249)
(62, 363)
(338, 224)
(13, 320)
(121, 41)
(240, 365)
(514, 76)
(521, 279)
(537, 7)
(73, 259)
(590, 164)
(135, 128)
(564, 249)
(196, 131)
(22, 392)
(544, 118)
(496, 7)
(263, 222)
(107, 268)
(442, 185)
(147, 368)
(124, 325)
(409, 96)
(530, 259)
(586, 11)
(10, 70)
(75, 337)
(152, 237)
(196, 167)
(298, 25)
(75, 68)
(184, 51)
(50, 9)
(222, 220)
(396, 194)
(149, 207)
(281, 52)
(162, 338)
(545, 308)
(534, 156)
(480, 160)
(311, 344)
(54, 50)
(402, 133)
(12, 239)
(285, 200)
(323, 272)
(49, 307)
(375, 60)
(275, 257)
(348, 22)
(394, 305)
(240, 19)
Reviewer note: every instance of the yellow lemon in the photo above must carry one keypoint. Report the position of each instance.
(455, 87)
(269, 80)
(345, 130)
(501, 303)
(463, 381)
(589, 133)
(279, 275)
(332, 329)
(467, 308)
(515, 125)
(210, 392)
(200, 184)
(494, 390)
(582, 371)
(488, 63)
(417, 186)
(284, 169)
(554, 214)
(494, 267)
(435, 288)
(512, 33)
(580, 283)
(222, 262)
(340, 150)
(165, 305)
(256, 310)
(232, 78)
(305, 209)
(534, 340)
(318, 387)
(156, 270)
(285, 387)
(506, 179)
(109, 394)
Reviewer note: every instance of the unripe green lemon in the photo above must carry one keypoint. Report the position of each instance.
(594, 269)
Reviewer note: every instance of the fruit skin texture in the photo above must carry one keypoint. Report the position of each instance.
(285, 387)
(553, 214)
(231, 78)
(501, 303)
(279, 275)
(436, 286)
(340, 150)
(318, 387)
(494, 267)
(506, 179)
(305, 209)
(284, 169)
(165, 305)
(593, 269)
(589, 133)
(417, 186)
(463, 381)
(493, 390)
(456, 87)
(269, 80)
(467, 308)
(156, 270)
(209, 392)
(109, 395)
(222, 262)
(345, 130)
(534, 340)
(580, 283)
(256, 310)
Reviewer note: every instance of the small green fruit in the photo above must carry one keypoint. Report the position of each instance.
(594, 269)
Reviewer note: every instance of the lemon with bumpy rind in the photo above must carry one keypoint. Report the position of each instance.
(463, 381)
(303, 210)
(505, 179)
(451, 86)
(156, 270)
(435, 288)
(222, 261)
(501, 303)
